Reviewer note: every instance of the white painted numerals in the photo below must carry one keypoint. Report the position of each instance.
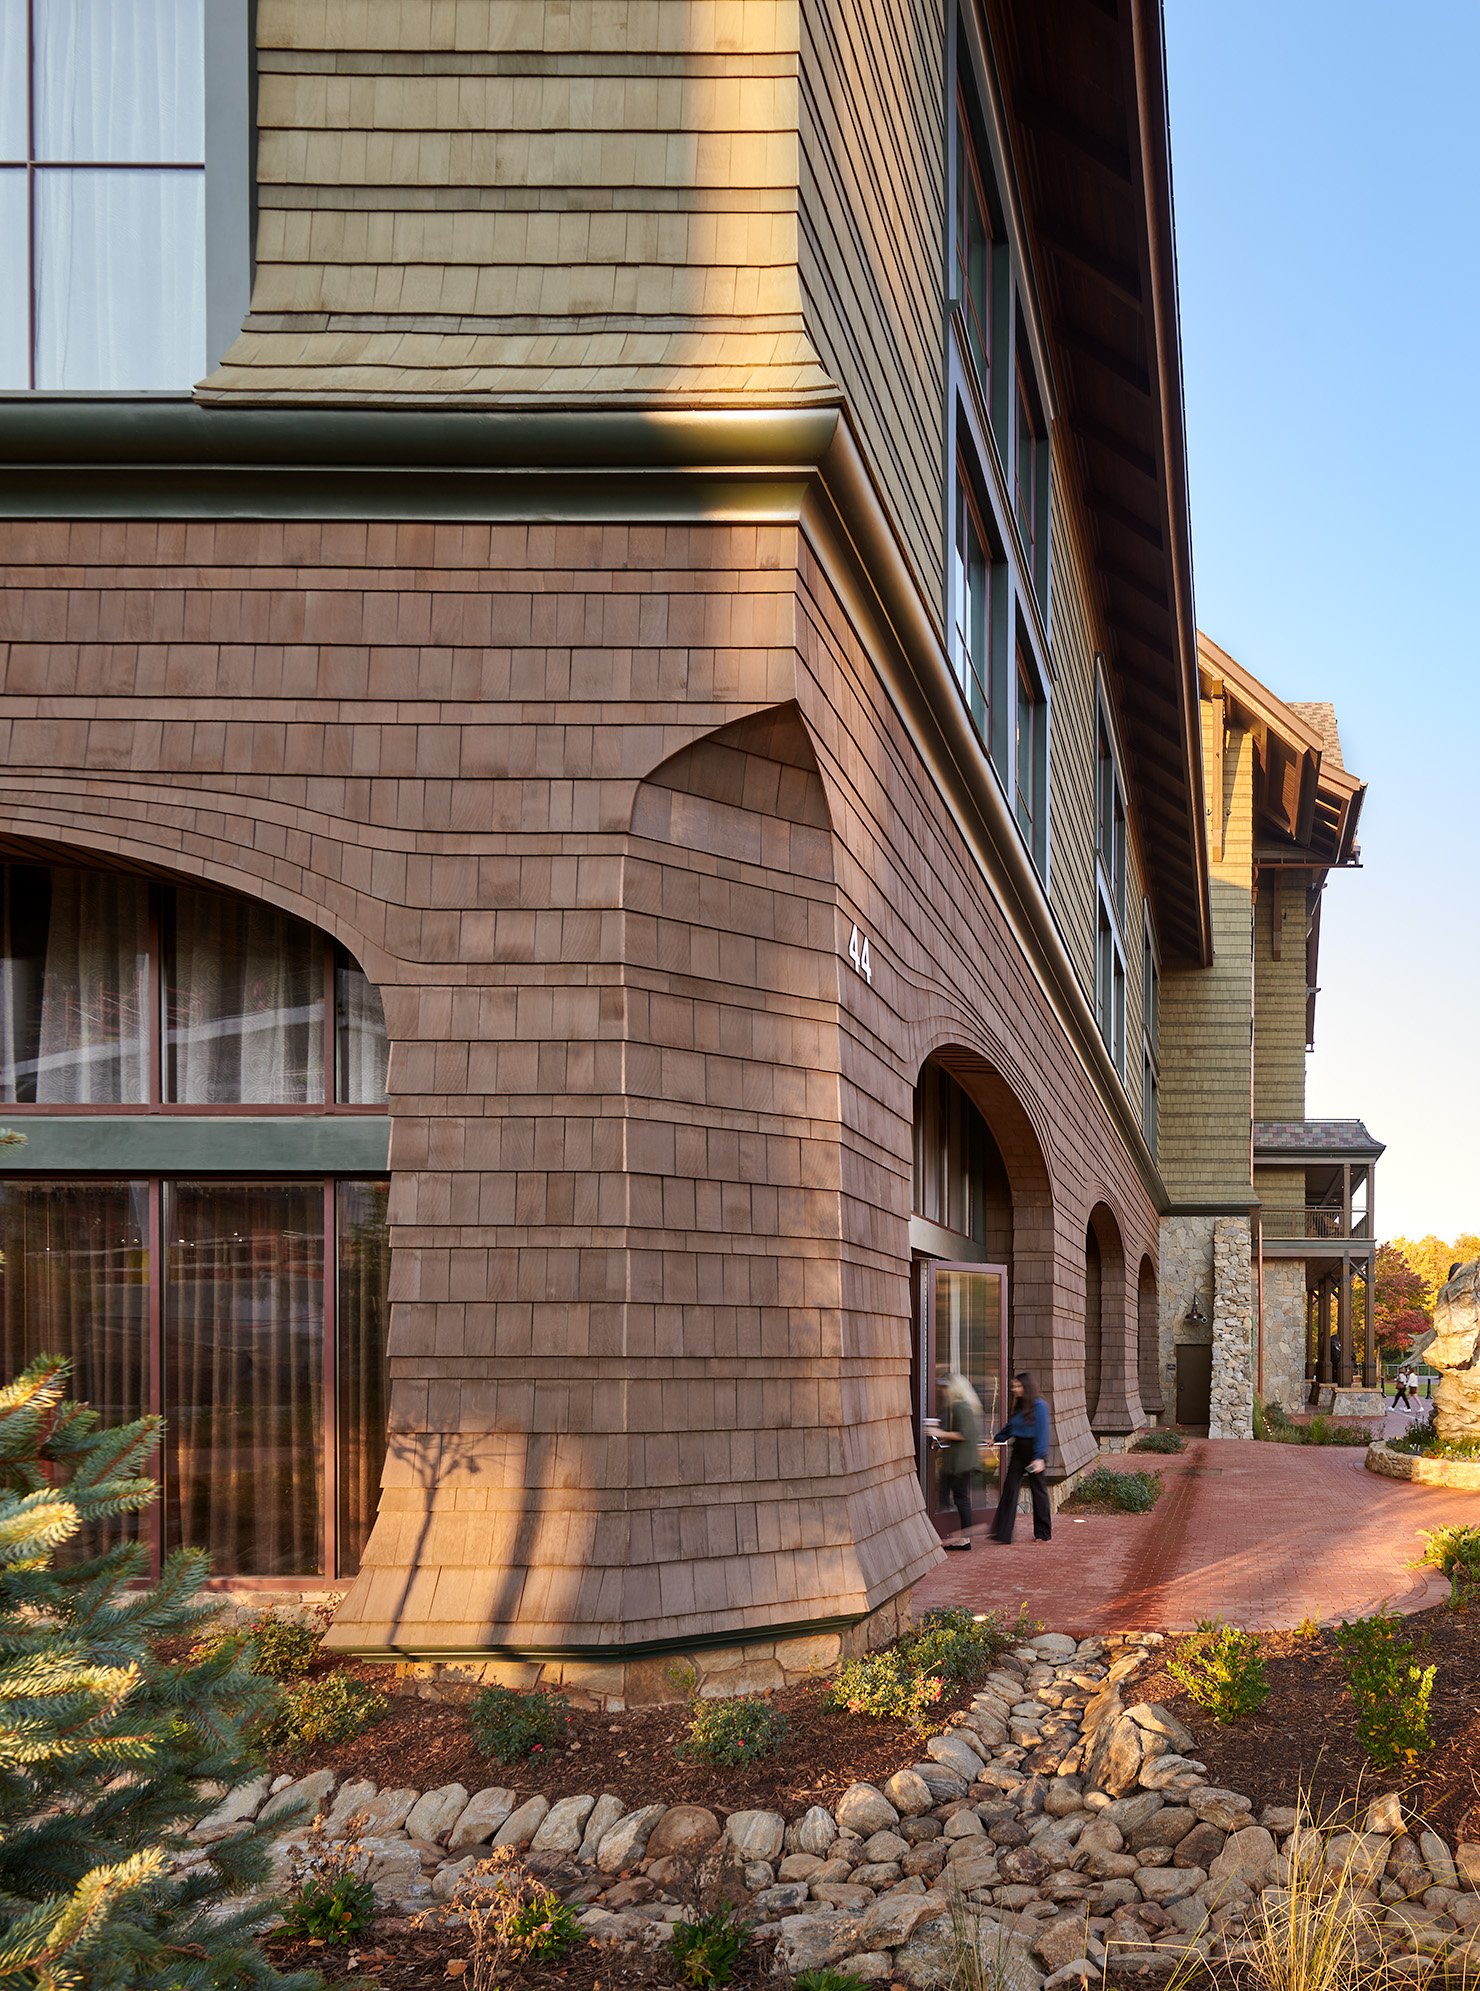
(859, 955)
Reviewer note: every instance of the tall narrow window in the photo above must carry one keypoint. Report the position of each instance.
(974, 250)
(1025, 752)
(102, 194)
(1029, 469)
(972, 588)
(1110, 881)
(1151, 1036)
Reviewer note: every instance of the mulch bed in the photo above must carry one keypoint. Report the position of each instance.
(1305, 1736)
(421, 1744)
(396, 1957)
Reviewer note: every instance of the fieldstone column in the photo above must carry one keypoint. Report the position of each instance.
(1232, 1410)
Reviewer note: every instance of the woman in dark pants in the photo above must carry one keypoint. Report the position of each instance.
(961, 1459)
(1026, 1432)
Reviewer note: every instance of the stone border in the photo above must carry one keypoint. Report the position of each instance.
(1421, 1471)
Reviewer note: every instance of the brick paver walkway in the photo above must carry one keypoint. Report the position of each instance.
(1261, 1535)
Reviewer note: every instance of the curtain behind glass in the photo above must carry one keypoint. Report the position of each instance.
(74, 1281)
(364, 1267)
(74, 977)
(359, 1035)
(120, 79)
(244, 1372)
(245, 1005)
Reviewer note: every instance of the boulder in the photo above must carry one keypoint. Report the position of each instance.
(1436, 1857)
(843, 1894)
(1167, 1827)
(484, 1812)
(386, 1811)
(301, 1800)
(1385, 1814)
(1151, 1716)
(434, 1814)
(1467, 1863)
(877, 1874)
(883, 1846)
(688, 1830)
(891, 1920)
(1201, 1846)
(1171, 1771)
(943, 1784)
(909, 1793)
(956, 1753)
(870, 1966)
(1022, 1864)
(1060, 1941)
(563, 1826)
(1359, 1857)
(807, 1942)
(864, 1809)
(236, 1808)
(758, 1835)
(1455, 1351)
(1054, 1645)
(782, 1897)
(1220, 1807)
(973, 1873)
(394, 1871)
(1116, 1756)
(798, 1866)
(447, 1876)
(605, 1813)
(817, 1831)
(1247, 1855)
(1164, 1884)
(964, 1824)
(520, 1826)
(626, 1842)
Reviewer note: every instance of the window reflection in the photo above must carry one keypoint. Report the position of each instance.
(245, 1005)
(74, 955)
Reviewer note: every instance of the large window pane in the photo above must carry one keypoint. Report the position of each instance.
(364, 1264)
(359, 1035)
(15, 322)
(120, 279)
(119, 79)
(74, 948)
(244, 1373)
(74, 1281)
(245, 1005)
(12, 82)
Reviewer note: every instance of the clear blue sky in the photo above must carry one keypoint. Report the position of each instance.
(1328, 233)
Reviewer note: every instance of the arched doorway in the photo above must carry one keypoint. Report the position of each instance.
(1148, 1340)
(970, 1208)
(1109, 1363)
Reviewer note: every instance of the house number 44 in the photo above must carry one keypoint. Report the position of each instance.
(859, 955)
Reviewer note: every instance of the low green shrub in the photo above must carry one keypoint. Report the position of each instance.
(330, 1708)
(707, 1949)
(1222, 1670)
(948, 1648)
(1117, 1492)
(509, 1726)
(740, 1731)
(1323, 1431)
(280, 1645)
(332, 1898)
(536, 1923)
(1161, 1441)
(1422, 1440)
(1452, 1549)
(1389, 1687)
(827, 1978)
(1273, 1423)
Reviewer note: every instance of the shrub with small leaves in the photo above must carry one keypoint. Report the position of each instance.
(707, 1949)
(1423, 1440)
(827, 1978)
(1222, 1669)
(887, 1686)
(1161, 1441)
(539, 1924)
(509, 1727)
(739, 1731)
(1390, 1689)
(311, 1714)
(1117, 1492)
(945, 1649)
(332, 1896)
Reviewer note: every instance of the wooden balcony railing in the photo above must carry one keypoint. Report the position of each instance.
(1313, 1222)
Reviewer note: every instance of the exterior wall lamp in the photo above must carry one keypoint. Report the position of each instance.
(1194, 1316)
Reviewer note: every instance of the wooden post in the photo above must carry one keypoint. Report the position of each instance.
(1369, 1366)
(1323, 1329)
(1344, 1322)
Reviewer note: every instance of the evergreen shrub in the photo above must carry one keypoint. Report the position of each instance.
(1389, 1687)
(509, 1727)
(738, 1731)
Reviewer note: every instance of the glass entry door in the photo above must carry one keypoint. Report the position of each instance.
(961, 1360)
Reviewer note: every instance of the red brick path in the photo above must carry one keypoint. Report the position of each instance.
(1257, 1534)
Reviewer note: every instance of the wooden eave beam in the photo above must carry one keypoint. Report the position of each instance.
(1090, 346)
(1122, 280)
(1042, 114)
(1129, 453)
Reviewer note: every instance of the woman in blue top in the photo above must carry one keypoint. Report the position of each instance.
(1026, 1431)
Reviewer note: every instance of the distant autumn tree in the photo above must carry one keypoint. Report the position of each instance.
(1403, 1304)
(1431, 1257)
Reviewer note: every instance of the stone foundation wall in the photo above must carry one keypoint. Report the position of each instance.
(1233, 1305)
(1186, 1274)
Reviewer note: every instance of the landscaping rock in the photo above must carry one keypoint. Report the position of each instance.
(434, 1815)
(1054, 1645)
(687, 1830)
(807, 1942)
(1164, 1884)
(484, 1813)
(1220, 1807)
(1199, 1847)
(1467, 1862)
(870, 1966)
(1437, 1858)
(783, 1897)
(236, 1808)
(303, 1796)
(892, 1920)
(956, 1753)
(1360, 1856)
(883, 1846)
(447, 1876)
(909, 1793)
(1159, 1773)
(817, 1831)
(394, 1871)
(605, 1813)
(563, 1826)
(1151, 1716)
(942, 1783)
(1060, 1942)
(519, 1828)
(864, 1809)
(625, 1844)
(843, 1894)
(1247, 1855)
(878, 1874)
(386, 1812)
(1385, 1814)
(758, 1835)
(1114, 1762)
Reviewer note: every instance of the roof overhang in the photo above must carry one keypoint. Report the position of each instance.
(1084, 82)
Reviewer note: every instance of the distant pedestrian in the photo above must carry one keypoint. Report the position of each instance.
(1400, 1391)
(961, 1453)
(1026, 1432)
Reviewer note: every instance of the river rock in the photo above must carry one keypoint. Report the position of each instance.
(625, 1844)
(817, 1831)
(434, 1814)
(236, 1808)
(756, 1835)
(1437, 1858)
(563, 1826)
(1157, 1720)
(884, 1845)
(482, 1816)
(303, 1796)
(1199, 1847)
(944, 1785)
(1220, 1807)
(956, 1753)
(1247, 1855)
(1164, 1884)
(864, 1809)
(909, 1793)
(687, 1830)
(519, 1828)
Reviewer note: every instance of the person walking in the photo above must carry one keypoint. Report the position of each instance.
(961, 1449)
(1026, 1432)
(1400, 1390)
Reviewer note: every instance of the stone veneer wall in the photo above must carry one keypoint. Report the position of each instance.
(1186, 1273)
(1233, 1301)
(1284, 1332)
